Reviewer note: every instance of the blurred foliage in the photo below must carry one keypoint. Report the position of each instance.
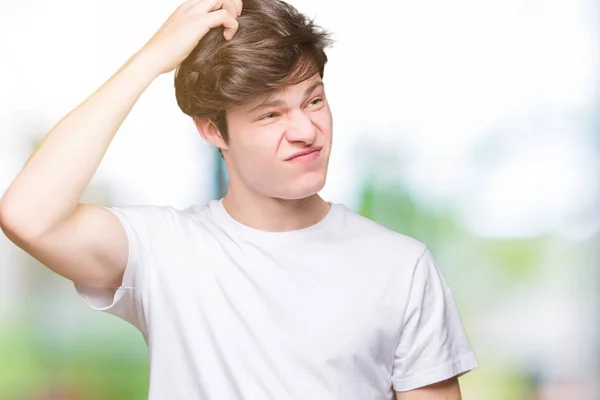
(395, 207)
(85, 371)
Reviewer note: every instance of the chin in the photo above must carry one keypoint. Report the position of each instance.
(303, 189)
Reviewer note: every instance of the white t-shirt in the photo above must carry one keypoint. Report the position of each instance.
(344, 309)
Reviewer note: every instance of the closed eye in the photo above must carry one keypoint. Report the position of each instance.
(268, 116)
(316, 101)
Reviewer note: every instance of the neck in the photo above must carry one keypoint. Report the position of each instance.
(275, 215)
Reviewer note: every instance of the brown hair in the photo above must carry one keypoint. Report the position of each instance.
(275, 47)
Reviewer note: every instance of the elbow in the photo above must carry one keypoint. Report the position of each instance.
(8, 221)
(14, 224)
(5, 216)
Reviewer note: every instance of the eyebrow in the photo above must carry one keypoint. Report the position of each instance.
(278, 103)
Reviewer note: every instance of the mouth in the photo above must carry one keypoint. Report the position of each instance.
(307, 155)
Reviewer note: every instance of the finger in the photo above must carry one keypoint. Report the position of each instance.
(230, 6)
(224, 18)
(189, 3)
(238, 6)
(214, 5)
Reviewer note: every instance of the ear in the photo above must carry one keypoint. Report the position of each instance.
(209, 132)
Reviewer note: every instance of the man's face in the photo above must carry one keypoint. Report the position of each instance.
(280, 148)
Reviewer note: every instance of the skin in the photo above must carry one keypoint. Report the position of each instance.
(41, 211)
(267, 191)
(444, 390)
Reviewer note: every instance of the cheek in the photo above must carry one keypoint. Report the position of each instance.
(324, 120)
(258, 149)
(257, 164)
(264, 142)
(249, 140)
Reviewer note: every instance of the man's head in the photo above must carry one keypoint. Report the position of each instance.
(259, 97)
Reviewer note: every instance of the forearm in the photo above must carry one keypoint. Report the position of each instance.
(50, 185)
(445, 390)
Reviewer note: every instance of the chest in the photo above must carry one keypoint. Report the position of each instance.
(322, 304)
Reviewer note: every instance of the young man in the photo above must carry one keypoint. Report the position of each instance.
(270, 292)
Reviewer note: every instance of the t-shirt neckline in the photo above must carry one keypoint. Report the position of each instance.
(224, 219)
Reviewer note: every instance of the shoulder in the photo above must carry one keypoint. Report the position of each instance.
(354, 226)
(154, 218)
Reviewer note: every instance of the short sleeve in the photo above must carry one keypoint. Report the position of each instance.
(433, 345)
(128, 302)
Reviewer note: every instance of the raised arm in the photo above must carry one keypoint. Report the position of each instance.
(40, 211)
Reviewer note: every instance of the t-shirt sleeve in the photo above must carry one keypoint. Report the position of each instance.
(433, 345)
(128, 302)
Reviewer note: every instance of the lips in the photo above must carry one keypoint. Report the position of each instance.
(303, 153)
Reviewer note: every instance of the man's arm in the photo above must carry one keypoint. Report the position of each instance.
(40, 211)
(445, 390)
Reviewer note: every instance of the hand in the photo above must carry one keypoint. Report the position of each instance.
(182, 31)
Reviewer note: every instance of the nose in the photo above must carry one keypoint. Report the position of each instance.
(301, 129)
